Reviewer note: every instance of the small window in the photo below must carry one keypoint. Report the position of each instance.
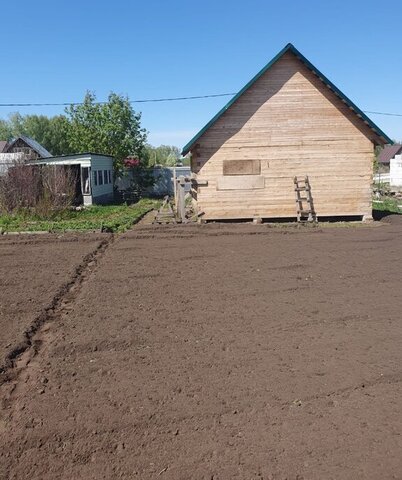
(100, 177)
(105, 181)
(96, 178)
(109, 172)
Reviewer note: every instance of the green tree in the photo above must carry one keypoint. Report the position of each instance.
(112, 128)
(376, 165)
(57, 140)
(51, 132)
(167, 155)
(5, 131)
(12, 127)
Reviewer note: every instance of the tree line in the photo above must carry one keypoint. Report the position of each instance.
(111, 128)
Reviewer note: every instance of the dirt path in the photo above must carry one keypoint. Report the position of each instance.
(218, 352)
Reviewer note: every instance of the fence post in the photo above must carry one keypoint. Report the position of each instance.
(175, 187)
(181, 205)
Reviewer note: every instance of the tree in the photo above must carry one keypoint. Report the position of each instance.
(50, 132)
(112, 128)
(12, 127)
(167, 155)
(376, 165)
(5, 131)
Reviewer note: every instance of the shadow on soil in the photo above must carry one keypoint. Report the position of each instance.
(290, 220)
(380, 214)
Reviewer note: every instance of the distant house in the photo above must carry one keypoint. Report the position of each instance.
(389, 152)
(21, 149)
(29, 148)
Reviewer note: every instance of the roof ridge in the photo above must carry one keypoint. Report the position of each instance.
(311, 67)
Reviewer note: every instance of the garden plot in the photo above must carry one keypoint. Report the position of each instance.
(33, 269)
(218, 351)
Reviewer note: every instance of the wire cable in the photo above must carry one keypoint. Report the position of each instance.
(384, 113)
(148, 100)
(155, 100)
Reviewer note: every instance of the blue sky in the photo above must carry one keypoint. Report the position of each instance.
(53, 51)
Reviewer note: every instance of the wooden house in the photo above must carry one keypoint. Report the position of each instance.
(21, 149)
(388, 153)
(288, 121)
(29, 148)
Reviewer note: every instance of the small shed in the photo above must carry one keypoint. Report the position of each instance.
(288, 121)
(94, 175)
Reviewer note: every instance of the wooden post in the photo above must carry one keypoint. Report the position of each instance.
(181, 207)
(175, 187)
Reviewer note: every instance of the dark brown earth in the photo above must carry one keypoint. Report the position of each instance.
(216, 352)
(33, 268)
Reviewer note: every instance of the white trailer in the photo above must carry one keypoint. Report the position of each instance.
(95, 174)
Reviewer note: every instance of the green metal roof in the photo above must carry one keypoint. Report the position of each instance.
(290, 48)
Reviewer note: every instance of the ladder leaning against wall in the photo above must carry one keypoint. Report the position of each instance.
(304, 200)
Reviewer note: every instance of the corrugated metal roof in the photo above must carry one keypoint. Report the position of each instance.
(36, 146)
(290, 48)
(388, 152)
(3, 144)
(78, 155)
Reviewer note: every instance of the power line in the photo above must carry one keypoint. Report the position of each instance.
(155, 100)
(148, 100)
(384, 113)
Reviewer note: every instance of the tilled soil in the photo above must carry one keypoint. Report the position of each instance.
(217, 352)
(33, 271)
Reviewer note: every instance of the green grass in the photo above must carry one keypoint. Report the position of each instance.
(387, 204)
(115, 218)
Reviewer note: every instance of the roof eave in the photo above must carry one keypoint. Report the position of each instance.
(342, 96)
(187, 147)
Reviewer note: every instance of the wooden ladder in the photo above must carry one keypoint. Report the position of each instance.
(304, 203)
(165, 214)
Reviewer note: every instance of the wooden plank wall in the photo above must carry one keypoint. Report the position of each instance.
(292, 124)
